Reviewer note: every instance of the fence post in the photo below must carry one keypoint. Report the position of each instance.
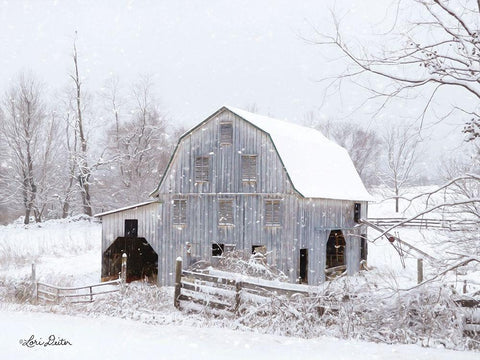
(123, 275)
(419, 271)
(178, 279)
(238, 289)
(34, 283)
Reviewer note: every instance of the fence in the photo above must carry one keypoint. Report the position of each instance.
(450, 224)
(81, 294)
(78, 294)
(194, 291)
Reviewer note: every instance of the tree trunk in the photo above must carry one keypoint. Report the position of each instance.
(396, 201)
(84, 176)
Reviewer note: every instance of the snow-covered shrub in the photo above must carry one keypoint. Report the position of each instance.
(256, 265)
(348, 308)
(16, 291)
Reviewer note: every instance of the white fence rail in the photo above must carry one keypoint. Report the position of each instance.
(426, 223)
(79, 294)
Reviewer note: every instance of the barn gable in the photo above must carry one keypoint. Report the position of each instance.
(224, 163)
(314, 166)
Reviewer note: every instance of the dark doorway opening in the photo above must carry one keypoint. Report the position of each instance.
(335, 249)
(304, 266)
(217, 249)
(364, 248)
(142, 260)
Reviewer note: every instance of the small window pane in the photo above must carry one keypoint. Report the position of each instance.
(179, 212)
(225, 212)
(226, 133)
(249, 167)
(201, 169)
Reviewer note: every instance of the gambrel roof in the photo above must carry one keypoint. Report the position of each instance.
(316, 166)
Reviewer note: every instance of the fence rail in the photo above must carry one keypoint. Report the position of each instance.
(450, 224)
(79, 294)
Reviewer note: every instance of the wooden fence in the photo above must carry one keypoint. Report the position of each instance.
(195, 291)
(426, 223)
(198, 292)
(80, 294)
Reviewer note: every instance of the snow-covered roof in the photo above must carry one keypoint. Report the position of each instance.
(126, 208)
(317, 167)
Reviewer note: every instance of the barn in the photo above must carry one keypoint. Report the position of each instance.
(242, 181)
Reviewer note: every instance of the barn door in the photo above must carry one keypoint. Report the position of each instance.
(304, 266)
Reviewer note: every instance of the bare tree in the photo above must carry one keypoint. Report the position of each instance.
(432, 48)
(29, 136)
(438, 48)
(363, 146)
(401, 145)
(138, 142)
(81, 154)
(466, 185)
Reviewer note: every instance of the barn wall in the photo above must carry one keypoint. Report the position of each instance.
(305, 223)
(148, 224)
(202, 230)
(316, 218)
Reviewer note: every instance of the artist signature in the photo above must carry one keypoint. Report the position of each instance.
(51, 341)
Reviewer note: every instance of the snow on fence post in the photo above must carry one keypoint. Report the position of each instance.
(419, 271)
(123, 275)
(178, 279)
(34, 283)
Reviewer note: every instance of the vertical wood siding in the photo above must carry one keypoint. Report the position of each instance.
(148, 216)
(305, 223)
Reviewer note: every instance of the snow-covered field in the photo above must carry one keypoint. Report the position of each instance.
(110, 338)
(67, 252)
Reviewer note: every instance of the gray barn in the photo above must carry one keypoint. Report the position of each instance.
(243, 181)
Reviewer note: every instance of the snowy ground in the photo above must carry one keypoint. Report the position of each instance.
(110, 338)
(68, 253)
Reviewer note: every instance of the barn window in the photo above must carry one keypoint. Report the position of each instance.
(249, 167)
(226, 133)
(357, 210)
(131, 228)
(272, 212)
(179, 212)
(217, 249)
(201, 168)
(225, 212)
(259, 249)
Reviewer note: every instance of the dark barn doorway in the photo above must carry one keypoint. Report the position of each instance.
(304, 266)
(142, 260)
(335, 249)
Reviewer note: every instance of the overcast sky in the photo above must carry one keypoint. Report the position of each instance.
(202, 54)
